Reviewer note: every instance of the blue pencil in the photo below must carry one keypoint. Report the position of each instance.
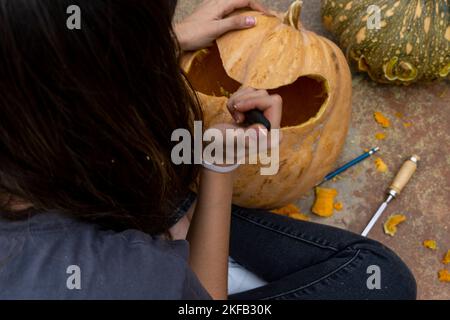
(350, 164)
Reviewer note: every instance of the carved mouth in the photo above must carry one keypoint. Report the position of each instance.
(302, 99)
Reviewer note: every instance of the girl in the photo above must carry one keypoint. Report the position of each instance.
(88, 191)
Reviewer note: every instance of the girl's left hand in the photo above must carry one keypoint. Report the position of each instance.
(208, 22)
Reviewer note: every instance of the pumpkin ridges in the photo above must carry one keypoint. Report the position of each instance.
(305, 62)
(232, 54)
(416, 61)
(314, 165)
(239, 71)
(444, 44)
(337, 107)
(308, 150)
(338, 103)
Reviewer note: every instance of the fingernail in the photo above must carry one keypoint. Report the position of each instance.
(236, 118)
(250, 21)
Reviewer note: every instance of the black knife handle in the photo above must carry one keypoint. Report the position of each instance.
(256, 116)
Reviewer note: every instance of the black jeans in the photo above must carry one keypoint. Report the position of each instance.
(303, 260)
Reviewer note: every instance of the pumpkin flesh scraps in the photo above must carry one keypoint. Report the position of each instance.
(390, 226)
(291, 211)
(382, 120)
(338, 206)
(286, 210)
(302, 99)
(430, 244)
(446, 259)
(299, 216)
(444, 275)
(380, 165)
(407, 124)
(380, 136)
(324, 203)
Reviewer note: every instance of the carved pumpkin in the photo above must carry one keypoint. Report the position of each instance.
(396, 41)
(313, 78)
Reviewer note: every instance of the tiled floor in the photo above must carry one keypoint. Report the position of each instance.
(426, 201)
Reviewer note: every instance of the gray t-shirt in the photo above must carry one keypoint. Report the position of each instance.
(50, 256)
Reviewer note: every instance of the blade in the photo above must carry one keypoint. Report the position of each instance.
(374, 219)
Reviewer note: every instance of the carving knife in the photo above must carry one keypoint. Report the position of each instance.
(256, 116)
(401, 180)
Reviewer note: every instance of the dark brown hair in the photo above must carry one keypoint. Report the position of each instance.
(87, 115)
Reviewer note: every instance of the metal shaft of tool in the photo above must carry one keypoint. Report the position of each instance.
(376, 216)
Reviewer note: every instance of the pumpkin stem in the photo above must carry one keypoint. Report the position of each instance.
(292, 16)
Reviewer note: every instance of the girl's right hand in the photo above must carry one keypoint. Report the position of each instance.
(247, 99)
(242, 101)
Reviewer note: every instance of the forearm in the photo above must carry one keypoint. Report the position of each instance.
(210, 231)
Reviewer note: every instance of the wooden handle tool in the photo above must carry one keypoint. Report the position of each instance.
(403, 176)
(401, 180)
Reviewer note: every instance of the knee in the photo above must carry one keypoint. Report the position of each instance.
(396, 279)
